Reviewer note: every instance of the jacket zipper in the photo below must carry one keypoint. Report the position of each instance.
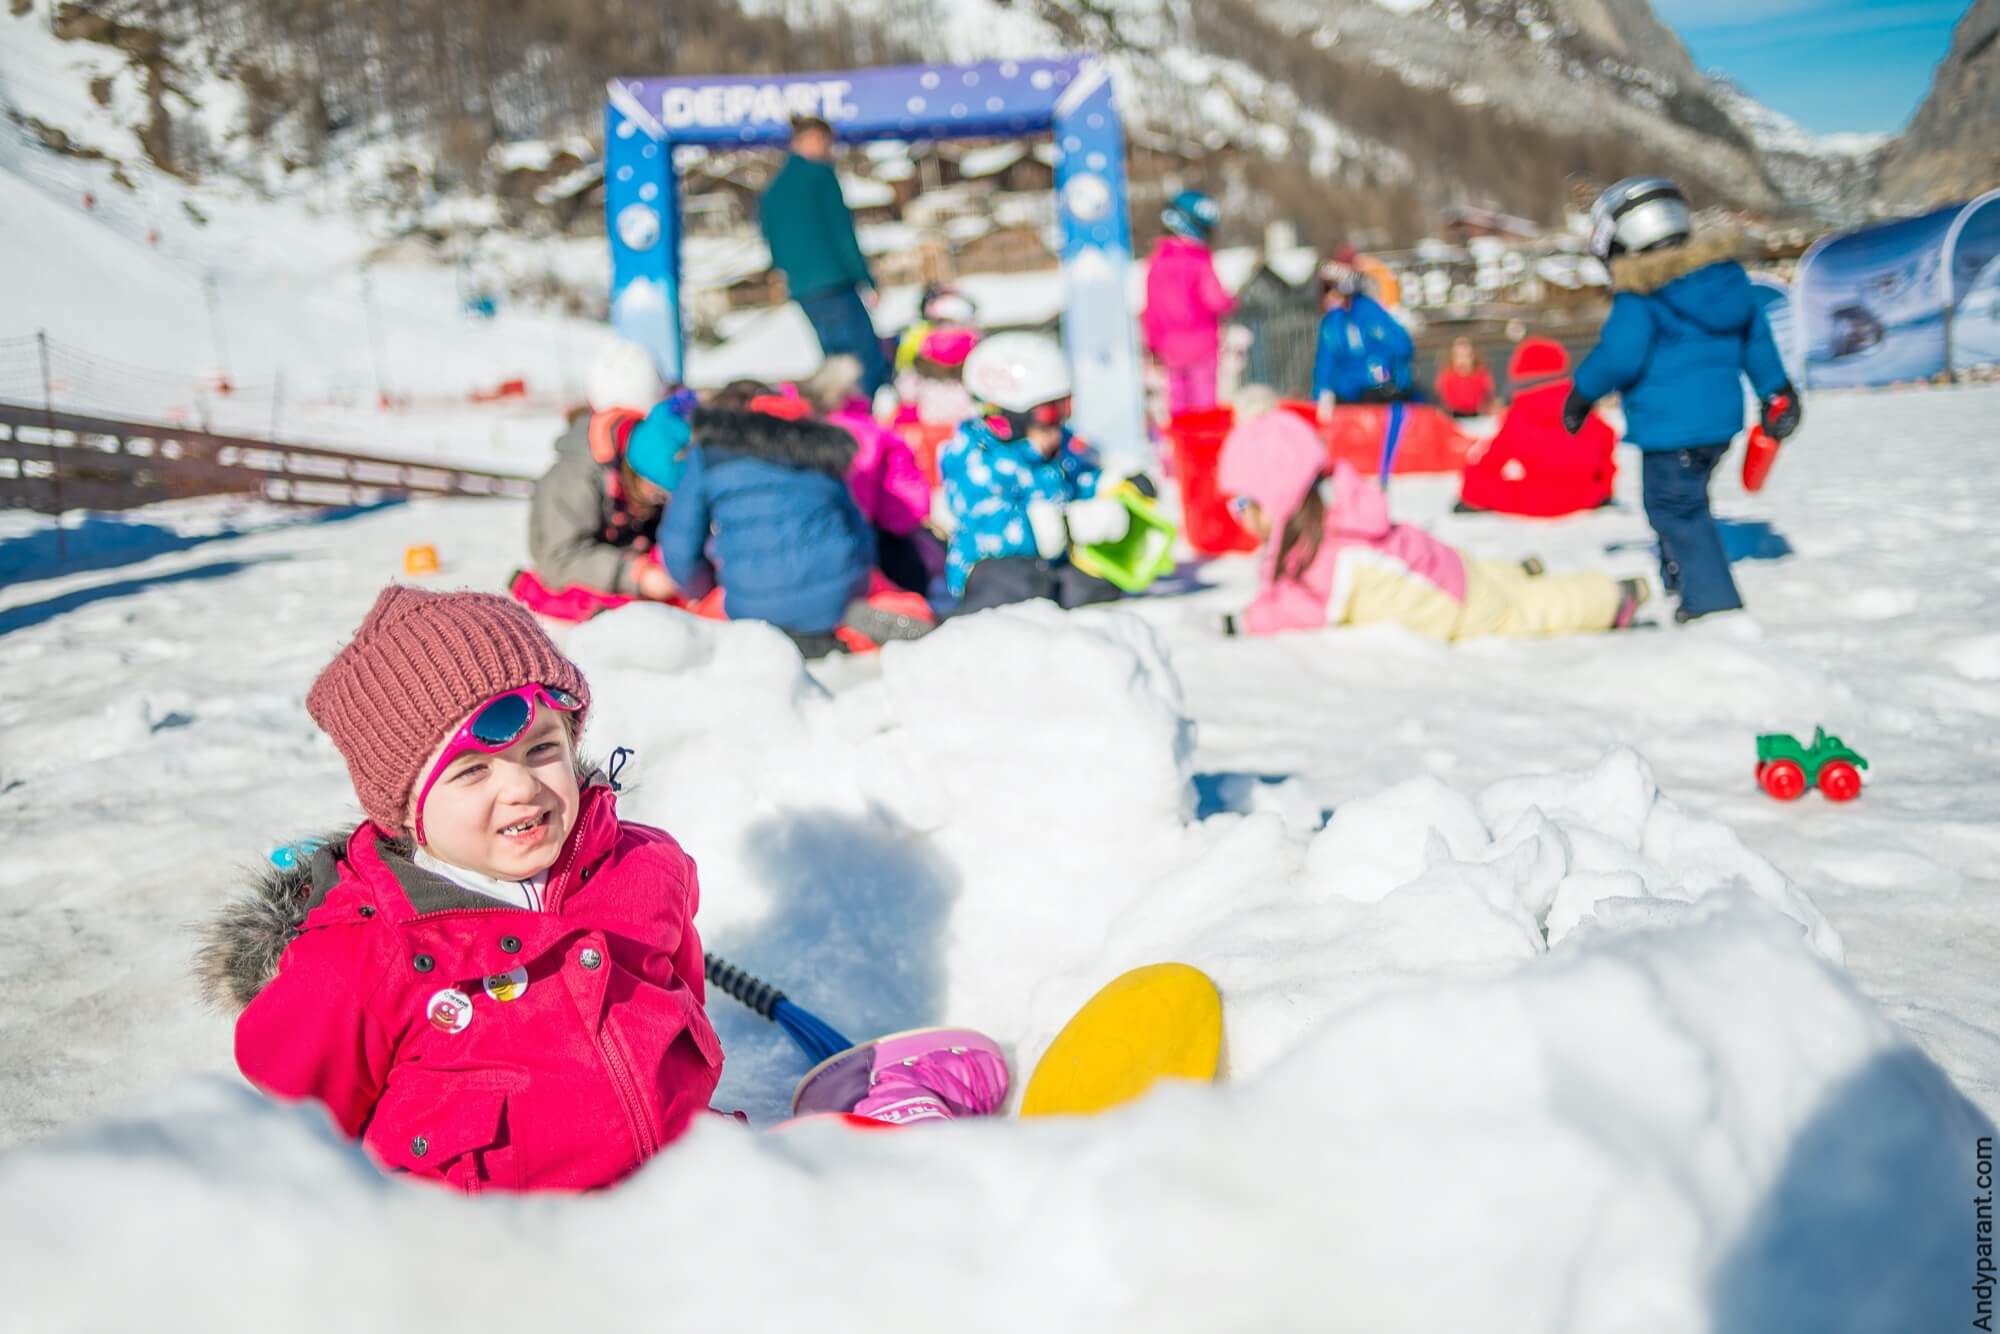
(607, 1047)
(553, 897)
(628, 1093)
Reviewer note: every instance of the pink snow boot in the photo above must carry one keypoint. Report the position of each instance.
(934, 1074)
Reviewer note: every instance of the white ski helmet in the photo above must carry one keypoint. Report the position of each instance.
(623, 376)
(1017, 371)
(1636, 214)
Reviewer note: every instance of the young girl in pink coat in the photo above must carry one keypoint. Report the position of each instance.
(492, 982)
(1333, 556)
(1186, 302)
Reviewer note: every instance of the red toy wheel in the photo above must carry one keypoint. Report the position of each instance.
(1760, 773)
(1839, 781)
(1784, 780)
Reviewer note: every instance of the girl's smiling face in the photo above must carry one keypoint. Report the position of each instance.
(505, 814)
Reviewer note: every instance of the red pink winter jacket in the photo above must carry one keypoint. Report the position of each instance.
(1185, 304)
(1532, 465)
(482, 1045)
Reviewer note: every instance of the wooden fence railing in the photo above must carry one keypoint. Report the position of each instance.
(56, 461)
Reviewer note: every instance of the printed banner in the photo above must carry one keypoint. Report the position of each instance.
(1973, 266)
(1872, 303)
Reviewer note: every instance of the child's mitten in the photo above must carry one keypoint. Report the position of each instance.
(1045, 519)
(1099, 519)
(1781, 413)
(1576, 411)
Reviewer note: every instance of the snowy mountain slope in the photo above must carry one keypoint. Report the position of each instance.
(1834, 175)
(1951, 148)
(308, 323)
(1626, 1041)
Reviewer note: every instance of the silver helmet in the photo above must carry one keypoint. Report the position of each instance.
(1636, 214)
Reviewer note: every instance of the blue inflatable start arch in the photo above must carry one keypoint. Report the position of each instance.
(645, 119)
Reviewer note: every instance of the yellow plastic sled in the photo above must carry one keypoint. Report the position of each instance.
(1163, 1021)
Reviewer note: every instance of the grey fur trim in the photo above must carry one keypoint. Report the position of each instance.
(241, 943)
(1656, 268)
(814, 445)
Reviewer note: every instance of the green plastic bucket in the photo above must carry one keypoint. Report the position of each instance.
(1135, 560)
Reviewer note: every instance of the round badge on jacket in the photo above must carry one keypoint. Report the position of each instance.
(507, 986)
(449, 1010)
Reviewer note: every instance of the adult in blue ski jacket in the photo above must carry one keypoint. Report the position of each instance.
(1364, 354)
(1683, 333)
(806, 223)
(762, 508)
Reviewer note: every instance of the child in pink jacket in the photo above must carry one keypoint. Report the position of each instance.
(1186, 302)
(492, 982)
(1332, 555)
(888, 485)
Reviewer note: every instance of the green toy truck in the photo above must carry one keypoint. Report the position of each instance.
(1785, 769)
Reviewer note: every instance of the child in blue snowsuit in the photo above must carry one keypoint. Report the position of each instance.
(762, 509)
(1684, 330)
(1008, 502)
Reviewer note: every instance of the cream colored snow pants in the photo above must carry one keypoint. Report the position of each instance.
(1503, 599)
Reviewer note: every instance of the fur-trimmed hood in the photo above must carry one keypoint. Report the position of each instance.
(1701, 282)
(242, 942)
(1656, 268)
(804, 443)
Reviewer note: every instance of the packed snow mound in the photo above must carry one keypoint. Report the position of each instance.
(1017, 787)
(1688, 1128)
(1554, 1055)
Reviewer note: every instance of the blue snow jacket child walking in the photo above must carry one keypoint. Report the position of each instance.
(989, 484)
(1684, 330)
(1363, 353)
(789, 546)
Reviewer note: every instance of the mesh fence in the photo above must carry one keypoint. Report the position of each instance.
(88, 383)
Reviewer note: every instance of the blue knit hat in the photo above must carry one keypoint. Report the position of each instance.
(658, 446)
(1192, 214)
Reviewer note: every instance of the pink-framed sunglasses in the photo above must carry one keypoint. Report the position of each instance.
(494, 726)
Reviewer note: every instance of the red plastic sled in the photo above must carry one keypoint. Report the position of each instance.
(1430, 443)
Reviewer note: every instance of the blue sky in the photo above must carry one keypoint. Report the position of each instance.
(1830, 65)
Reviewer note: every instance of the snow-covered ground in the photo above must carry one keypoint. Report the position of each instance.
(1556, 1024)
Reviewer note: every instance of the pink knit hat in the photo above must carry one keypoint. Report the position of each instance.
(417, 666)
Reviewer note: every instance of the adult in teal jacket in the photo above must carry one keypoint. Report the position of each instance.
(811, 235)
(1684, 332)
